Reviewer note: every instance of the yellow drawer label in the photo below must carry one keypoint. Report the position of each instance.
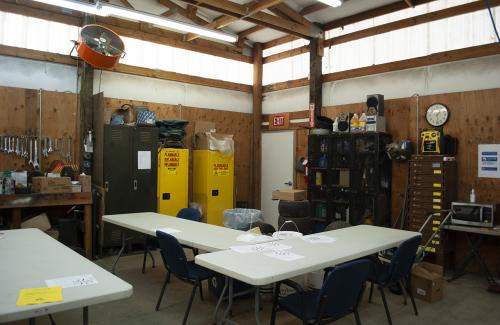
(437, 214)
(437, 185)
(436, 222)
(436, 193)
(435, 228)
(436, 207)
(436, 200)
(437, 171)
(430, 249)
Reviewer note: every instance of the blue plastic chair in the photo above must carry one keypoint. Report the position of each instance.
(397, 272)
(339, 296)
(189, 214)
(176, 263)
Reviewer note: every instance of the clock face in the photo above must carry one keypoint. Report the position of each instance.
(437, 115)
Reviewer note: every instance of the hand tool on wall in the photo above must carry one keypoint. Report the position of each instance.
(43, 146)
(62, 152)
(25, 151)
(30, 152)
(50, 146)
(35, 160)
(69, 150)
(18, 150)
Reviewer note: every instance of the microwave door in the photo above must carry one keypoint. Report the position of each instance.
(467, 215)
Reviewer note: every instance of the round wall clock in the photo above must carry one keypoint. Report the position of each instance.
(437, 115)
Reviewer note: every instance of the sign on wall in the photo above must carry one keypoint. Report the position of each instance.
(279, 121)
(488, 164)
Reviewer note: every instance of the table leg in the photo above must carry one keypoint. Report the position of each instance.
(119, 253)
(224, 290)
(32, 321)
(257, 304)
(461, 268)
(225, 319)
(482, 264)
(85, 315)
(87, 232)
(15, 221)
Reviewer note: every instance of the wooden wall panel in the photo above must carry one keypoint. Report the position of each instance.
(21, 107)
(475, 119)
(238, 124)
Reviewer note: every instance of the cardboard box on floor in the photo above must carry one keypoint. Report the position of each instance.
(427, 282)
(289, 195)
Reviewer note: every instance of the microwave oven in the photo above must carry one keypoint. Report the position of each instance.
(473, 214)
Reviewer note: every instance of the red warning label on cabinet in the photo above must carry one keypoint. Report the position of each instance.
(221, 169)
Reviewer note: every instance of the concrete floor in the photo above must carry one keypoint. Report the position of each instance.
(466, 301)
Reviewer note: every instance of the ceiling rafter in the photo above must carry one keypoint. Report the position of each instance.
(249, 31)
(261, 18)
(410, 3)
(127, 4)
(313, 8)
(189, 13)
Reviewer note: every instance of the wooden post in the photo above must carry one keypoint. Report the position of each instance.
(257, 121)
(315, 72)
(86, 98)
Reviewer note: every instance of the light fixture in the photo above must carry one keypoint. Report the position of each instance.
(332, 3)
(105, 9)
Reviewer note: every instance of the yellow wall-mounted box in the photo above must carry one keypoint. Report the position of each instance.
(213, 184)
(173, 171)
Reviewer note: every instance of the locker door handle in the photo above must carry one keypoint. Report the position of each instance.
(106, 186)
(135, 185)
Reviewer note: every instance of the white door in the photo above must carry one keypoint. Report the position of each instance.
(277, 170)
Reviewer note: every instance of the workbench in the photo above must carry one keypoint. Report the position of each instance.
(15, 203)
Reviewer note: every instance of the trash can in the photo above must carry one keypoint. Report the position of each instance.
(242, 219)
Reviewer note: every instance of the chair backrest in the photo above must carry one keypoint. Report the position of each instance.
(342, 287)
(403, 259)
(172, 254)
(189, 214)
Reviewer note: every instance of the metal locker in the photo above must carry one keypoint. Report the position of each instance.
(116, 168)
(143, 175)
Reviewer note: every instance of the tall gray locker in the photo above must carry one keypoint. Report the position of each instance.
(129, 173)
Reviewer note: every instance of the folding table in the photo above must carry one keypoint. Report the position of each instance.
(29, 257)
(258, 269)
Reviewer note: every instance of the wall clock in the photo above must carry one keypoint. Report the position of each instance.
(437, 115)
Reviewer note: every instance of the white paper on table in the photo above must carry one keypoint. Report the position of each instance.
(284, 255)
(318, 239)
(168, 230)
(72, 281)
(143, 159)
(253, 238)
(264, 247)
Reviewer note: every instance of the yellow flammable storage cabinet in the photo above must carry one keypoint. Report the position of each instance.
(213, 183)
(173, 171)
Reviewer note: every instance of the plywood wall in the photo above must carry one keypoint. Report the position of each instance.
(238, 124)
(20, 115)
(474, 119)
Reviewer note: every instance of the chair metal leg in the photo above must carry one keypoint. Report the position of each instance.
(224, 289)
(407, 285)
(403, 290)
(146, 250)
(32, 321)
(371, 292)
(85, 315)
(168, 276)
(386, 307)
(257, 305)
(201, 291)
(275, 303)
(356, 316)
(162, 291)
(193, 292)
(52, 321)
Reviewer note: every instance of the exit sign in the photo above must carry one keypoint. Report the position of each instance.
(279, 121)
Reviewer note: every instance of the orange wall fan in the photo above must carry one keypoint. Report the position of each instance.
(100, 46)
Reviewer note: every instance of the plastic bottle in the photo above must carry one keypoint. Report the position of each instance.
(362, 122)
(355, 123)
(472, 197)
(8, 183)
(335, 125)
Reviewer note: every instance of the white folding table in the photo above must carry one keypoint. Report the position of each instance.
(258, 269)
(29, 257)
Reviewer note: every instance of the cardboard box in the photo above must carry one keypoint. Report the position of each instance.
(427, 282)
(214, 141)
(289, 195)
(204, 126)
(40, 221)
(86, 182)
(51, 185)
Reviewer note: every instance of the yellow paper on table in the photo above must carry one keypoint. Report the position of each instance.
(36, 296)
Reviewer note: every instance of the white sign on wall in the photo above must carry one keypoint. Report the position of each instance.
(488, 164)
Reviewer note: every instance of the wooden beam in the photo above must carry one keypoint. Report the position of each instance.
(432, 59)
(286, 54)
(261, 18)
(410, 3)
(245, 33)
(123, 68)
(315, 74)
(257, 116)
(372, 13)
(313, 8)
(292, 14)
(279, 41)
(396, 25)
(188, 13)
(412, 21)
